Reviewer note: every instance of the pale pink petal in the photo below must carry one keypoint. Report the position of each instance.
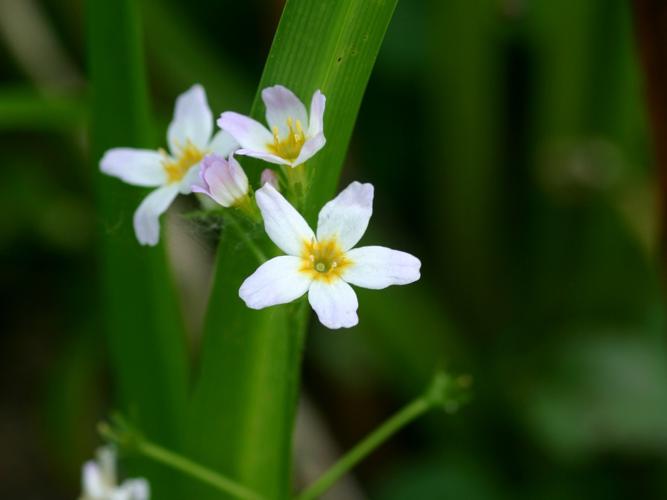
(316, 122)
(223, 144)
(335, 303)
(193, 121)
(249, 133)
(309, 148)
(270, 177)
(262, 155)
(147, 216)
(139, 167)
(379, 267)
(223, 180)
(277, 281)
(284, 225)
(345, 218)
(282, 105)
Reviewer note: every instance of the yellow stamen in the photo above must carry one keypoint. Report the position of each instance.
(323, 260)
(177, 168)
(289, 147)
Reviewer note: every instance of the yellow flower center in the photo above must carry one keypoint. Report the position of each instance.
(290, 147)
(323, 260)
(177, 168)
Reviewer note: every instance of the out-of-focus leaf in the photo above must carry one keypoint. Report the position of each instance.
(21, 109)
(140, 313)
(465, 117)
(601, 391)
(183, 57)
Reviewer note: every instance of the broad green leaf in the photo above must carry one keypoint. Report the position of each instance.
(244, 402)
(140, 317)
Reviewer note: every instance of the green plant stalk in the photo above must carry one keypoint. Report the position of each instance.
(443, 391)
(244, 402)
(180, 463)
(409, 413)
(139, 307)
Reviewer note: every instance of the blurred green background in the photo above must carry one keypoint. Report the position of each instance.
(508, 143)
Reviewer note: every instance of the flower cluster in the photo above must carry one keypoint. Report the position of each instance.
(322, 264)
(99, 480)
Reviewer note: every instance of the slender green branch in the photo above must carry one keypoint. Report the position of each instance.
(415, 409)
(123, 434)
(443, 392)
(195, 470)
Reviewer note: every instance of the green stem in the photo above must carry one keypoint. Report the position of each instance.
(395, 423)
(243, 235)
(297, 183)
(195, 470)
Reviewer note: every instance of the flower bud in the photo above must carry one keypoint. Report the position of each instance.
(269, 176)
(223, 180)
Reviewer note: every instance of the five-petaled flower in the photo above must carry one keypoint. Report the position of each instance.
(294, 136)
(100, 481)
(190, 138)
(324, 265)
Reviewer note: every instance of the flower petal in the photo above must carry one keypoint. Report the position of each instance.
(316, 121)
(309, 148)
(346, 217)
(271, 158)
(140, 167)
(281, 105)
(249, 133)
(271, 177)
(277, 281)
(106, 459)
(193, 121)
(223, 144)
(135, 489)
(379, 267)
(335, 303)
(223, 180)
(94, 485)
(284, 225)
(147, 216)
(189, 179)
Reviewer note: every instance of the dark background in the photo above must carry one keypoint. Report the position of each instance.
(508, 144)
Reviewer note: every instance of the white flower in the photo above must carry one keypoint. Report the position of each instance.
(324, 265)
(100, 482)
(189, 138)
(223, 180)
(294, 136)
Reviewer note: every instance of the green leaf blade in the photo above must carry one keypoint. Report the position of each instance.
(249, 378)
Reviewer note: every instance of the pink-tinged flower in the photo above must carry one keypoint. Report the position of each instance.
(326, 264)
(269, 177)
(293, 138)
(100, 481)
(223, 180)
(190, 137)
